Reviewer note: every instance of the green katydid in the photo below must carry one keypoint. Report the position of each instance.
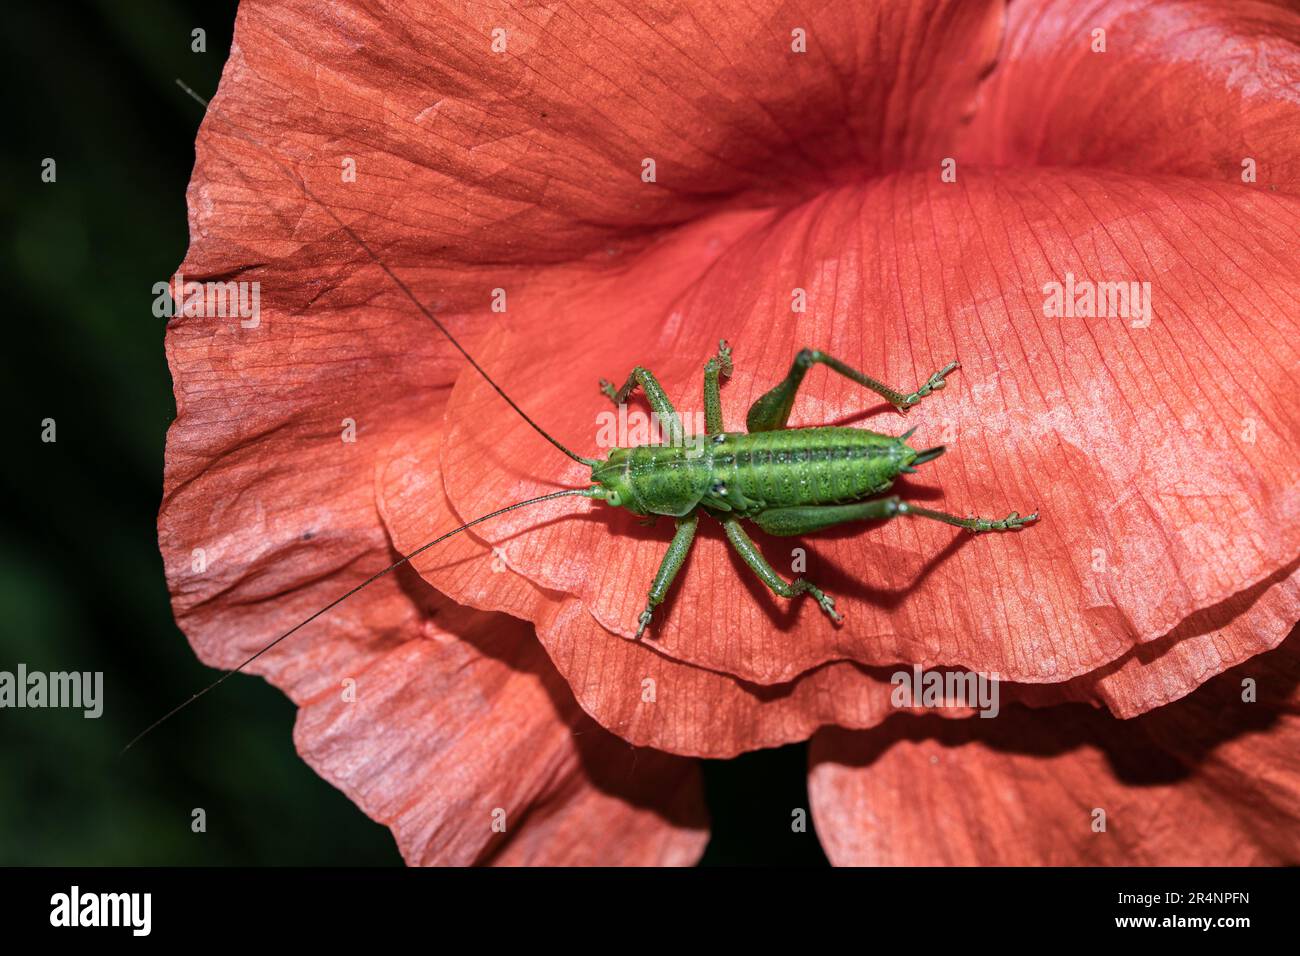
(788, 481)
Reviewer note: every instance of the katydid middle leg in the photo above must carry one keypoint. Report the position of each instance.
(772, 410)
(746, 548)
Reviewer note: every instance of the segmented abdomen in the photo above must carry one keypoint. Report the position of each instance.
(805, 466)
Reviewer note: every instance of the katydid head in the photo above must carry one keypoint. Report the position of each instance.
(610, 481)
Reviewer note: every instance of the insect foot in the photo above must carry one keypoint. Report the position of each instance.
(724, 357)
(607, 389)
(824, 600)
(643, 622)
(1012, 522)
(935, 383)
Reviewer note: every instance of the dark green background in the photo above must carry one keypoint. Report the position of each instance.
(93, 85)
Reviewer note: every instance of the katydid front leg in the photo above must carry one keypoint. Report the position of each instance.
(719, 365)
(654, 393)
(668, 568)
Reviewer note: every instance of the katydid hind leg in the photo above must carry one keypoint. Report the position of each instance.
(805, 520)
(1012, 522)
(772, 410)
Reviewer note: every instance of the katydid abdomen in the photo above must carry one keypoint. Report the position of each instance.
(803, 466)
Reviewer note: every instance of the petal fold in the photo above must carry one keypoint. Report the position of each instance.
(1208, 781)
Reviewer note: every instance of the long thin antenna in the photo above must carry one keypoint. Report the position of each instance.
(585, 492)
(306, 191)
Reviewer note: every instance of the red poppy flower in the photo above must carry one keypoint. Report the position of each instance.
(577, 190)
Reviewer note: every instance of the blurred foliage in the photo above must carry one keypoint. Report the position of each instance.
(81, 581)
(93, 85)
